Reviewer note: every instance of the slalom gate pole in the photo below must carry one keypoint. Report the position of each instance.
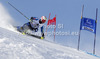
(54, 31)
(18, 10)
(47, 23)
(80, 29)
(95, 32)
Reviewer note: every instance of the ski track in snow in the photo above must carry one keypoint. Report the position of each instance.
(17, 46)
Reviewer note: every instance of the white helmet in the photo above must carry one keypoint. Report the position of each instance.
(43, 19)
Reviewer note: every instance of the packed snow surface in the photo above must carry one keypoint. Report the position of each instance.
(14, 45)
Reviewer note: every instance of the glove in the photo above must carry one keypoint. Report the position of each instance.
(42, 38)
(43, 35)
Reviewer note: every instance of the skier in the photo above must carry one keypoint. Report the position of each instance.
(33, 25)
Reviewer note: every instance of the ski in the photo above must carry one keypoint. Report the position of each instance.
(17, 28)
(36, 36)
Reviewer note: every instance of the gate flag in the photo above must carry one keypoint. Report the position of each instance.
(88, 24)
(52, 21)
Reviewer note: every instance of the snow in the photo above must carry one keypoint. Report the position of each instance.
(14, 45)
(5, 19)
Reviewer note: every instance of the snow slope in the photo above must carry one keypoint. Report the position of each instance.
(14, 45)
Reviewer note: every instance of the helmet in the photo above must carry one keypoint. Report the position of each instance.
(43, 19)
(34, 18)
(31, 17)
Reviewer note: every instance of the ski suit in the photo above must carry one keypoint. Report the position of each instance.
(33, 25)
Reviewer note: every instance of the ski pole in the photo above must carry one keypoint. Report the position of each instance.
(18, 10)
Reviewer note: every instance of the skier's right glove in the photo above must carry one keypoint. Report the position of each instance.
(42, 36)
